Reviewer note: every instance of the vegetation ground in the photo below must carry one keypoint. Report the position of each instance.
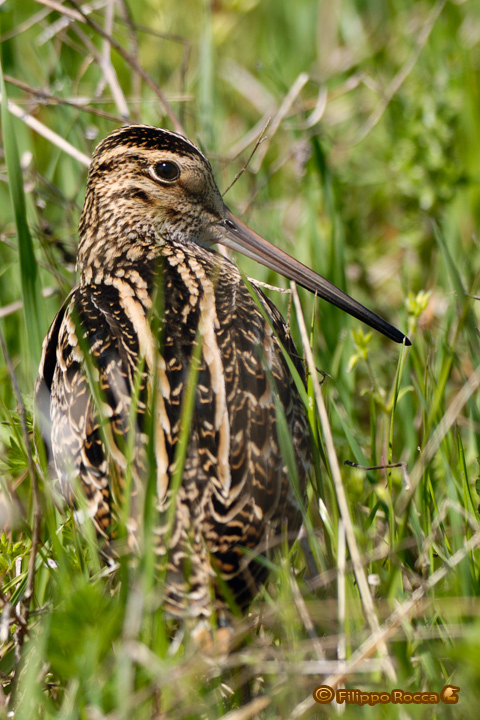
(368, 173)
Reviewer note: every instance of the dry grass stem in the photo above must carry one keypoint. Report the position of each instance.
(340, 491)
(279, 116)
(135, 65)
(261, 138)
(47, 133)
(108, 72)
(45, 98)
(388, 628)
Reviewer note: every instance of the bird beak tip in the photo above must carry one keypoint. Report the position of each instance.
(238, 236)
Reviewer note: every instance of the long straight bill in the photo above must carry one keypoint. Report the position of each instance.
(238, 236)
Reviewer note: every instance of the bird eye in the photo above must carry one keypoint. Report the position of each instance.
(165, 170)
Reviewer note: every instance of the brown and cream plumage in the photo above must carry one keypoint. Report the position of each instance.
(154, 300)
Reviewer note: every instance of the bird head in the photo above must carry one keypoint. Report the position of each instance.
(147, 186)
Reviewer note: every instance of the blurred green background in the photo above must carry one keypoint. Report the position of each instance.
(369, 174)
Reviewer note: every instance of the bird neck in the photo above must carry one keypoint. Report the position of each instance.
(114, 237)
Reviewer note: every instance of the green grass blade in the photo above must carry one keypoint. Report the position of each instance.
(30, 285)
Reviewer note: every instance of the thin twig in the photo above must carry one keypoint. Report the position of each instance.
(136, 80)
(133, 63)
(57, 26)
(79, 15)
(260, 139)
(46, 98)
(58, 7)
(275, 288)
(246, 140)
(285, 106)
(273, 168)
(388, 466)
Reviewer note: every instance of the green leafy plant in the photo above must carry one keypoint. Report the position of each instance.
(367, 172)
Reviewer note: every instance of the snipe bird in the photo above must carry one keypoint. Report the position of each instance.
(153, 295)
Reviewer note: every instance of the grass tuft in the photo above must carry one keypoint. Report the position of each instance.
(369, 174)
